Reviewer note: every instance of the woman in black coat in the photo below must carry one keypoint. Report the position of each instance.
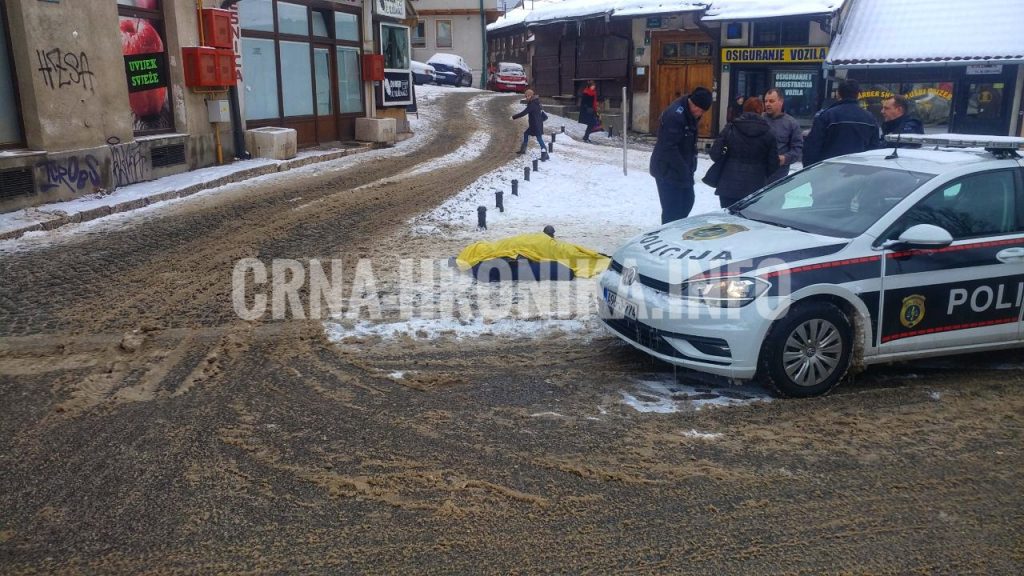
(750, 152)
(588, 109)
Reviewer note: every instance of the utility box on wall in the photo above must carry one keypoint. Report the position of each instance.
(373, 67)
(219, 110)
(207, 67)
(217, 28)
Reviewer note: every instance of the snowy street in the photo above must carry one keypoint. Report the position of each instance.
(414, 420)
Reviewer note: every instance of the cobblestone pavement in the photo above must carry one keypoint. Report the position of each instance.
(144, 428)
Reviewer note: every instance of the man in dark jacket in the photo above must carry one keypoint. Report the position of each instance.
(675, 154)
(898, 120)
(788, 136)
(536, 117)
(842, 128)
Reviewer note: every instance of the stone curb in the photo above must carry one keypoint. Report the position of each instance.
(59, 220)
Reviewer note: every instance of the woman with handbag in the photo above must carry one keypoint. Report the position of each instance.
(588, 110)
(745, 154)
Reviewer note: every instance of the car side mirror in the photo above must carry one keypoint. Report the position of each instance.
(920, 236)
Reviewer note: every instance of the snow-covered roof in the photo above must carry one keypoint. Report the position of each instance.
(721, 10)
(916, 32)
(542, 11)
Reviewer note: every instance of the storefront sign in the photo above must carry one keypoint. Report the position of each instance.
(985, 69)
(797, 54)
(654, 22)
(396, 88)
(795, 84)
(391, 8)
(145, 71)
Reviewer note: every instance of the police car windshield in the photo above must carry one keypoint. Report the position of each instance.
(831, 198)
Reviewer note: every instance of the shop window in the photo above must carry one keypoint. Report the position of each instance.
(419, 39)
(799, 88)
(394, 44)
(350, 93)
(734, 31)
(296, 79)
(259, 69)
(322, 67)
(10, 122)
(256, 15)
(145, 62)
(781, 33)
(930, 102)
(670, 50)
(292, 19)
(444, 33)
(346, 26)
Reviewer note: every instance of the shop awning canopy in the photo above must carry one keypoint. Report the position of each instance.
(550, 11)
(899, 33)
(733, 10)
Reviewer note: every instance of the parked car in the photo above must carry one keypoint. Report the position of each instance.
(422, 73)
(451, 69)
(858, 260)
(509, 77)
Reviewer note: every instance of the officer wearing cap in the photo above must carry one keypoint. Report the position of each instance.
(674, 159)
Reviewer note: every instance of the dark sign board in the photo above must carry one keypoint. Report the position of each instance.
(396, 88)
(146, 71)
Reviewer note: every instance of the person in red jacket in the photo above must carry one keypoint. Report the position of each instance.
(588, 110)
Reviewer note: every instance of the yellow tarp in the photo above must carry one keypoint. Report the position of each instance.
(537, 247)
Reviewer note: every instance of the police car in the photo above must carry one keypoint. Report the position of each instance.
(867, 258)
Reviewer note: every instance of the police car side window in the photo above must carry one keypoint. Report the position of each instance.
(977, 205)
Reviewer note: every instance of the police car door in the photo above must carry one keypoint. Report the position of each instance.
(971, 292)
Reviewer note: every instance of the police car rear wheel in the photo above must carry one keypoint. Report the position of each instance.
(807, 352)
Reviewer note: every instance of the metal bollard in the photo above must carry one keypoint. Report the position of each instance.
(551, 147)
(535, 165)
(526, 174)
(563, 129)
(553, 134)
(481, 217)
(609, 131)
(544, 156)
(515, 187)
(498, 200)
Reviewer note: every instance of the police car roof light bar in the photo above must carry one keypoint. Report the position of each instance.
(990, 143)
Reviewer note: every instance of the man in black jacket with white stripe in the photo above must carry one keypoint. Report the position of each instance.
(842, 128)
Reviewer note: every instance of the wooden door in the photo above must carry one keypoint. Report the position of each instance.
(671, 77)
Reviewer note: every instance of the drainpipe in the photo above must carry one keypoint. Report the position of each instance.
(236, 108)
(483, 43)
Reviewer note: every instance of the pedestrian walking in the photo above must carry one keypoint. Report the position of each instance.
(842, 128)
(536, 117)
(588, 110)
(895, 112)
(788, 135)
(674, 159)
(749, 151)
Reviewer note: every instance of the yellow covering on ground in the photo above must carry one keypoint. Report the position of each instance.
(538, 247)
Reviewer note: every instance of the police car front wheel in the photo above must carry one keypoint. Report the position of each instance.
(807, 351)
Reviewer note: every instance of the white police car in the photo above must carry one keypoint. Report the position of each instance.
(857, 260)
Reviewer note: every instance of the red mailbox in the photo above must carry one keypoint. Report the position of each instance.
(208, 67)
(373, 67)
(217, 28)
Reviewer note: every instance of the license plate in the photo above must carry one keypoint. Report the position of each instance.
(620, 306)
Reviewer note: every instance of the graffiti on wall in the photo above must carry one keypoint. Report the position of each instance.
(128, 164)
(60, 69)
(73, 172)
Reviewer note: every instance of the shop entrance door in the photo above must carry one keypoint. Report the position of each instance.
(324, 90)
(678, 71)
(984, 108)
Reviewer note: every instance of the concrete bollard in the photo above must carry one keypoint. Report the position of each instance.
(481, 217)
(515, 187)
(499, 200)
(535, 165)
(526, 174)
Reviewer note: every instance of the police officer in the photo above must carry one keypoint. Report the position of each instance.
(898, 120)
(674, 159)
(842, 128)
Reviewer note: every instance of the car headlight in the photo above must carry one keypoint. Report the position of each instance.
(732, 291)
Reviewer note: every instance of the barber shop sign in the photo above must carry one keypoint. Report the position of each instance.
(392, 8)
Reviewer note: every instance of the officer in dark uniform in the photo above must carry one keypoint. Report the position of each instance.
(674, 159)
